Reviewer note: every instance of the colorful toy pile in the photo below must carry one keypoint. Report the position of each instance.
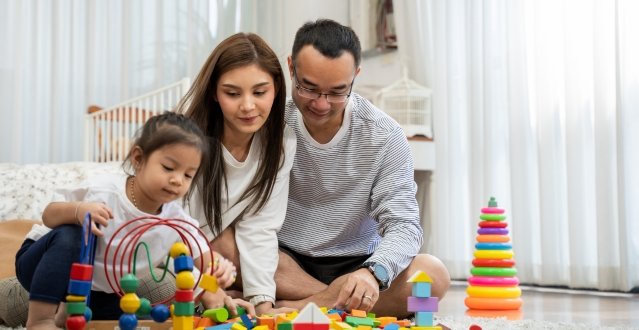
(493, 284)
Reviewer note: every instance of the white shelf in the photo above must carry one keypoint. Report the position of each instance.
(423, 154)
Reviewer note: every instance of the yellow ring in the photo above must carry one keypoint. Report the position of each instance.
(494, 254)
(493, 292)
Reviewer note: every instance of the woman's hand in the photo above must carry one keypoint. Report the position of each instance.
(224, 271)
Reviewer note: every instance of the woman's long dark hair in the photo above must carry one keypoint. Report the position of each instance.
(200, 104)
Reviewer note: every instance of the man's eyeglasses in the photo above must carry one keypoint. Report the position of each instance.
(313, 95)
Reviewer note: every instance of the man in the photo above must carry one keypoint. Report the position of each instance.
(352, 232)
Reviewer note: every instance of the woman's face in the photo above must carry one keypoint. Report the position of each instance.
(246, 96)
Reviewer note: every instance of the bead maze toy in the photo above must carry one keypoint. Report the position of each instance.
(124, 257)
(493, 284)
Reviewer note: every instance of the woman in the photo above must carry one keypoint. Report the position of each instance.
(238, 101)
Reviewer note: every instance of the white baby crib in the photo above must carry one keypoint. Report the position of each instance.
(108, 131)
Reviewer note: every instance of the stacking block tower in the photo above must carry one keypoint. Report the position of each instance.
(493, 284)
(421, 303)
(80, 282)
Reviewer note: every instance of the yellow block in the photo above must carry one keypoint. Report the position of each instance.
(182, 322)
(208, 283)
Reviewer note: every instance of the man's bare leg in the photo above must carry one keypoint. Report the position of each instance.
(392, 302)
(293, 283)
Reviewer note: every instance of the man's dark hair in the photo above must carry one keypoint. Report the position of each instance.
(330, 38)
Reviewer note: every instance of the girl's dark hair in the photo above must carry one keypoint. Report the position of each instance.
(166, 129)
(330, 38)
(200, 104)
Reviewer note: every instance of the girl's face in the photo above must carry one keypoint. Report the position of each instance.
(165, 175)
(246, 96)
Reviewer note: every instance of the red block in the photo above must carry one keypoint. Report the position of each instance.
(183, 295)
(81, 272)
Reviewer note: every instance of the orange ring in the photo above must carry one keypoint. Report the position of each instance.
(493, 238)
(493, 303)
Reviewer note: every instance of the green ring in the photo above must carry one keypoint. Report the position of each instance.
(493, 271)
(492, 217)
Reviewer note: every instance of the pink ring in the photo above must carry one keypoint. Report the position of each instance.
(492, 210)
(493, 281)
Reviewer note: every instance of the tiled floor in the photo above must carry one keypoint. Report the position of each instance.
(605, 309)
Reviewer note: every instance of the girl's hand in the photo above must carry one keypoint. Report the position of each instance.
(220, 299)
(224, 271)
(100, 214)
(232, 304)
(213, 299)
(267, 308)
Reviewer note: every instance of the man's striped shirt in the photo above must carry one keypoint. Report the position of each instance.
(354, 195)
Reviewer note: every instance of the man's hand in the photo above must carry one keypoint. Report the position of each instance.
(360, 291)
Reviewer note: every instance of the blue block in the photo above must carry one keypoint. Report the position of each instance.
(392, 326)
(424, 319)
(182, 263)
(223, 326)
(421, 289)
(79, 288)
(246, 320)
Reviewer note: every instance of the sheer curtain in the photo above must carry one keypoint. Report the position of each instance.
(58, 57)
(536, 102)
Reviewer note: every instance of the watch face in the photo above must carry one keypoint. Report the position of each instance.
(380, 272)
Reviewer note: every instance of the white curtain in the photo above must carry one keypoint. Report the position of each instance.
(59, 57)
(536, 102)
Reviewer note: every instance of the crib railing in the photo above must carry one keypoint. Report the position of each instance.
(109, 131)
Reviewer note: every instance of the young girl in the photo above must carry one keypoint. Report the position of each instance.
(163, 162)
(238, 101)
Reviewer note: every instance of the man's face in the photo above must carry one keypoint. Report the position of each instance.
(313, 73)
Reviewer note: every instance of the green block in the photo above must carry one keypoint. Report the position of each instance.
(357, 321)
(285, 326)
(183, 308)
(217, 314)
(76, 308)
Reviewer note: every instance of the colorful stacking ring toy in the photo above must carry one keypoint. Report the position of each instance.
(492, 217)
(493, 281)
(493, 246)
(493, 224)
(493, 262)
(493, 303)
(492, 231)
(492, 210)
(493, 254)
(494, 292)
(493, 271)
(493, 238)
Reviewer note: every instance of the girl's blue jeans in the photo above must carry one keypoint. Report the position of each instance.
(43, 268)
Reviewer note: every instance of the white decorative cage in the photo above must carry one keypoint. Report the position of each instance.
(409, 104)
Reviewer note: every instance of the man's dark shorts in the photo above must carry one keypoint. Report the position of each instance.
(326, 269)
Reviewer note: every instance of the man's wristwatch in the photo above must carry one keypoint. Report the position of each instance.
(260, 298)
(380, 273)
